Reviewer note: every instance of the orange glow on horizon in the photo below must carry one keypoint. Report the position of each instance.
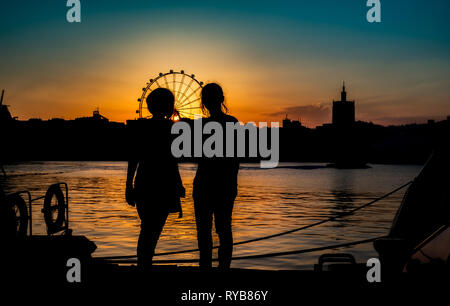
(256, 89)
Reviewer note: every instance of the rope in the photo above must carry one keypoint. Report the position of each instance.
(258, 256)
(337, 216)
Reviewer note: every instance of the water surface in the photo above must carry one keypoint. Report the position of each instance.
(269, 201)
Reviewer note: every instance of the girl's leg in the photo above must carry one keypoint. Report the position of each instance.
(203, 219)
(223, 217)
(140, 247)
(150, 231)
(156, 226)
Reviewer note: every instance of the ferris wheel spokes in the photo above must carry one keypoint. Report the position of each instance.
(179, 88)
(182, 102)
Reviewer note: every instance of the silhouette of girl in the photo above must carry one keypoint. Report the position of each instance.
(157, 184)
(215, 188)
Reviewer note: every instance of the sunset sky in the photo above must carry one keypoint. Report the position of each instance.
(271, 57)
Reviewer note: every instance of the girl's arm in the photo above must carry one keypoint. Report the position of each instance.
(181, 190)
(132, 166)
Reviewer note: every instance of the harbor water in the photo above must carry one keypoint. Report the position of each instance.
(269, 201)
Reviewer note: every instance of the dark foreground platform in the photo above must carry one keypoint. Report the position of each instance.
(173, 285)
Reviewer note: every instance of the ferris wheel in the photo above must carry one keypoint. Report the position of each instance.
(185, 88)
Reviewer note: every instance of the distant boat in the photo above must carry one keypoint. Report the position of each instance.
(349, 165)
(423, 216)
(351, 161)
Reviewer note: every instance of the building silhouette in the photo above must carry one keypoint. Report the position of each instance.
(288, 123)
(343, 111)
(96, 117)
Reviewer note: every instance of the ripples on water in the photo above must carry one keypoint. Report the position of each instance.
(269, 201)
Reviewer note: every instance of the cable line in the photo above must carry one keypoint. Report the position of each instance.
(337, 216)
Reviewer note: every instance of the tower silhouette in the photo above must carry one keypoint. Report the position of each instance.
(343, 110)
(5, 115)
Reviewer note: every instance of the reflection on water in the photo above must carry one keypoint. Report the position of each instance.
(269, 201)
